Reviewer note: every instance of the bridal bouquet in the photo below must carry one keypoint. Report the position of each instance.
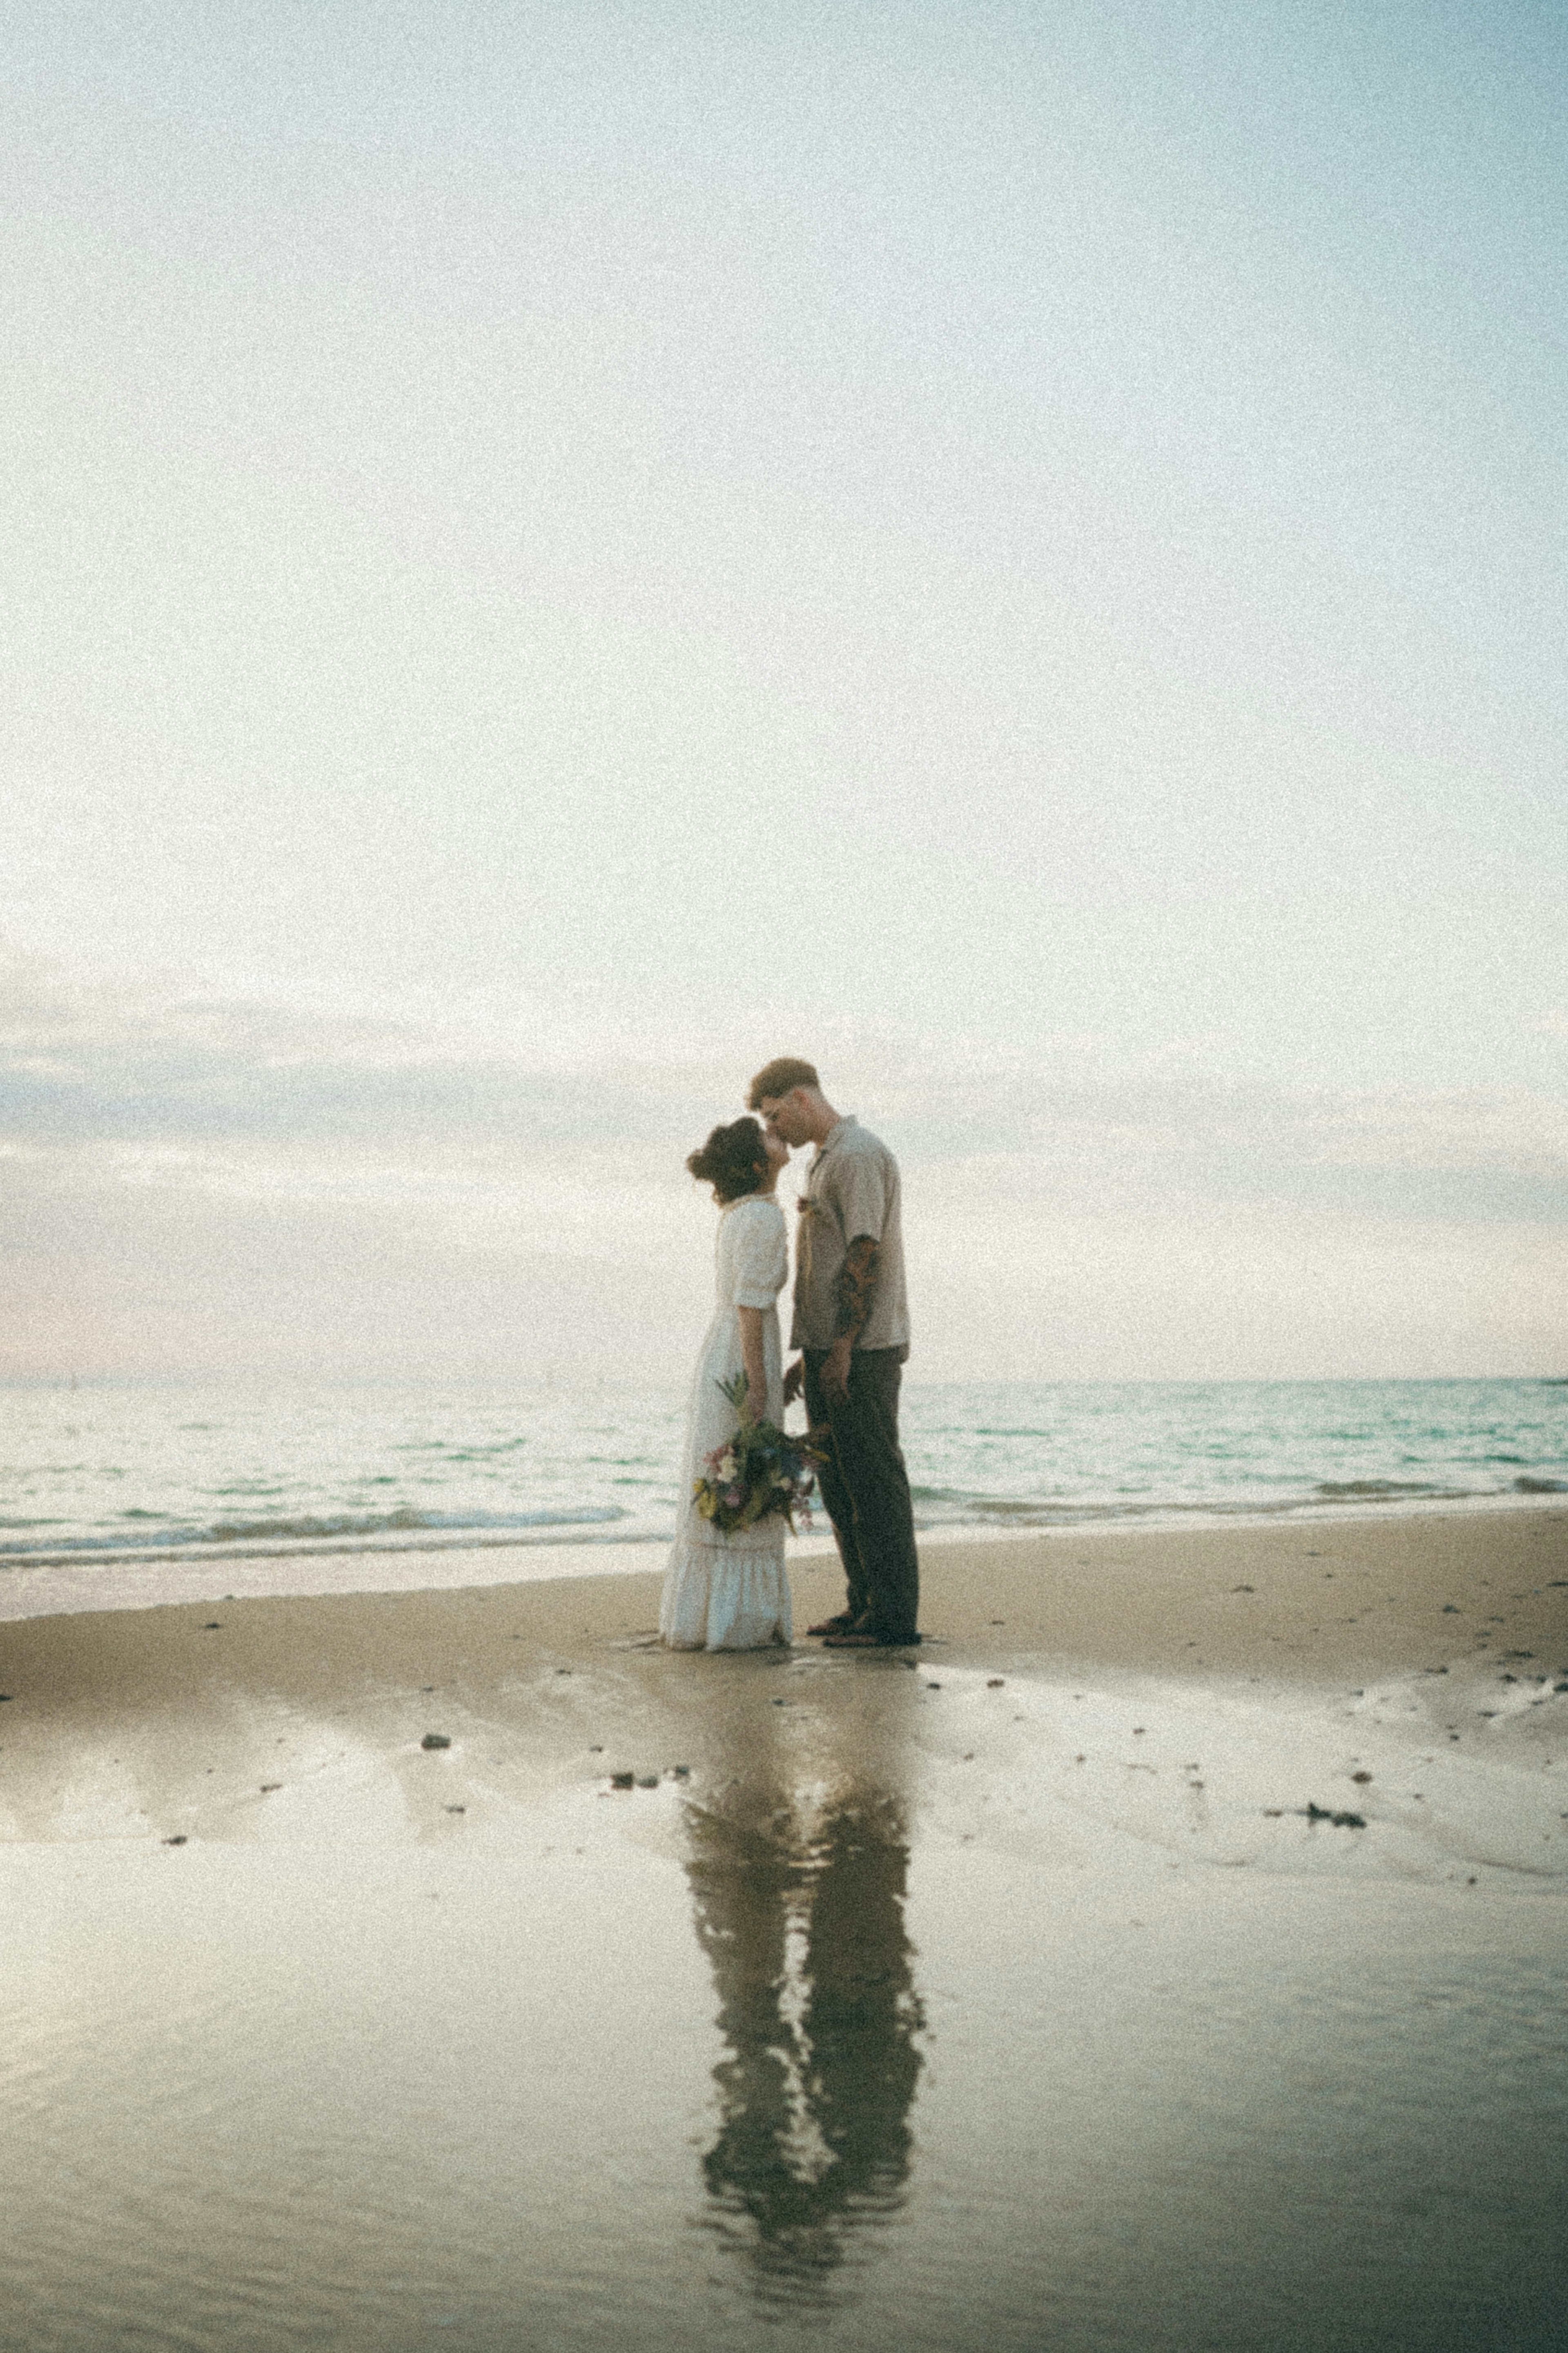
(758, 1472)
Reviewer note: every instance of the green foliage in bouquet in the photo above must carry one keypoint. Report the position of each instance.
(757, 1472)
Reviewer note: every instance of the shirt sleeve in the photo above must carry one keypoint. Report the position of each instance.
(862, 1192)
(761, 1256)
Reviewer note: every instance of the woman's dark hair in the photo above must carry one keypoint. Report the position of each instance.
(734, 1161)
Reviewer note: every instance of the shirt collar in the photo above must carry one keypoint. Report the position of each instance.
(836, 1131)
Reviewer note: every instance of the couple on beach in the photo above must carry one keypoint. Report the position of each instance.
(726, 1588)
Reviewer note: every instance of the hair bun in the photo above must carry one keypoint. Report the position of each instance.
(734, 1161)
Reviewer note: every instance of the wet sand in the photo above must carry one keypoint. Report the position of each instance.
(1024, 1989)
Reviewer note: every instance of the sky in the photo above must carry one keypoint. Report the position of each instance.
(551, 554)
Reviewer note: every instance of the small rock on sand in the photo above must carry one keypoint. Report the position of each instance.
(435, 1740)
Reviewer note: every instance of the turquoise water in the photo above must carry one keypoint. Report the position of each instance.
(128, 1471)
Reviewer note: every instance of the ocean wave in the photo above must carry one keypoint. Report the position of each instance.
(469, 1453)
(949, 1508)
(306, 1528)
(1368, 1490)
(948, 1504)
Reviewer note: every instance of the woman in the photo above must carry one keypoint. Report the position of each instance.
(729, 1592)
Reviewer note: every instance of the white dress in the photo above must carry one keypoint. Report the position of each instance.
(730, 1592)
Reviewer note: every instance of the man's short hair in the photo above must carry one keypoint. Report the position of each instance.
(780, 1077)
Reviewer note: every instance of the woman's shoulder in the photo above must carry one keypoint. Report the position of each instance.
(756, 1209)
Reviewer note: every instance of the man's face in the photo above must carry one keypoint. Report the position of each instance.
(787, 1117)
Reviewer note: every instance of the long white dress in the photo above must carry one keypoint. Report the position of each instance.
(730, 1592)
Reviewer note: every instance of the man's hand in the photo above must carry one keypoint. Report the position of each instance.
(793, 1380)
(835, 1373)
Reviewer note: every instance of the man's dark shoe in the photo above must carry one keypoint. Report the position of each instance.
(844, 1623)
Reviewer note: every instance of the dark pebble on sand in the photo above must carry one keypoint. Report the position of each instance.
(1341, 1821)
(648, 1780)
(456, 1809)
(622, 1781)
(435, 1740)
(1362, 1777)
(179, 1839)
(213, 1626)
(994, 1682)
(681, 1772)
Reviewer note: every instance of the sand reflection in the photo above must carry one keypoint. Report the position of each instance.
(799, 1902)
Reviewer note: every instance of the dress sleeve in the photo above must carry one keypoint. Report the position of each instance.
(761, 1256)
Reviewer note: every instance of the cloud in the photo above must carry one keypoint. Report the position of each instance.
(193, 1184)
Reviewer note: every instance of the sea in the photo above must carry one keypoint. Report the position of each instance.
(107, 1475)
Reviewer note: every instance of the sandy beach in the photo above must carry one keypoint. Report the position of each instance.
(1170, 1953)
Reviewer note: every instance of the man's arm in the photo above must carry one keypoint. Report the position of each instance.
(854, 1288)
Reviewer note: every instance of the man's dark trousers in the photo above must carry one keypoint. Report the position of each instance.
(867, 1491)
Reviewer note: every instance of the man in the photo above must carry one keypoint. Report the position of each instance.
(852, 1325)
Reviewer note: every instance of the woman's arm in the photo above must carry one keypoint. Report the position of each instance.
(751, 1356)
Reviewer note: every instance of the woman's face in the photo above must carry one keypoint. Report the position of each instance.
(777, 1151)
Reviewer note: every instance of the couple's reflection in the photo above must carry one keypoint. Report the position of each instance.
(799, 1895)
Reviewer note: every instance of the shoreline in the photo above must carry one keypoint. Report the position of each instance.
(76, 1583)
(1155, 1600)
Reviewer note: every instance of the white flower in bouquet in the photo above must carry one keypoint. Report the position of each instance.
(756, 1472)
